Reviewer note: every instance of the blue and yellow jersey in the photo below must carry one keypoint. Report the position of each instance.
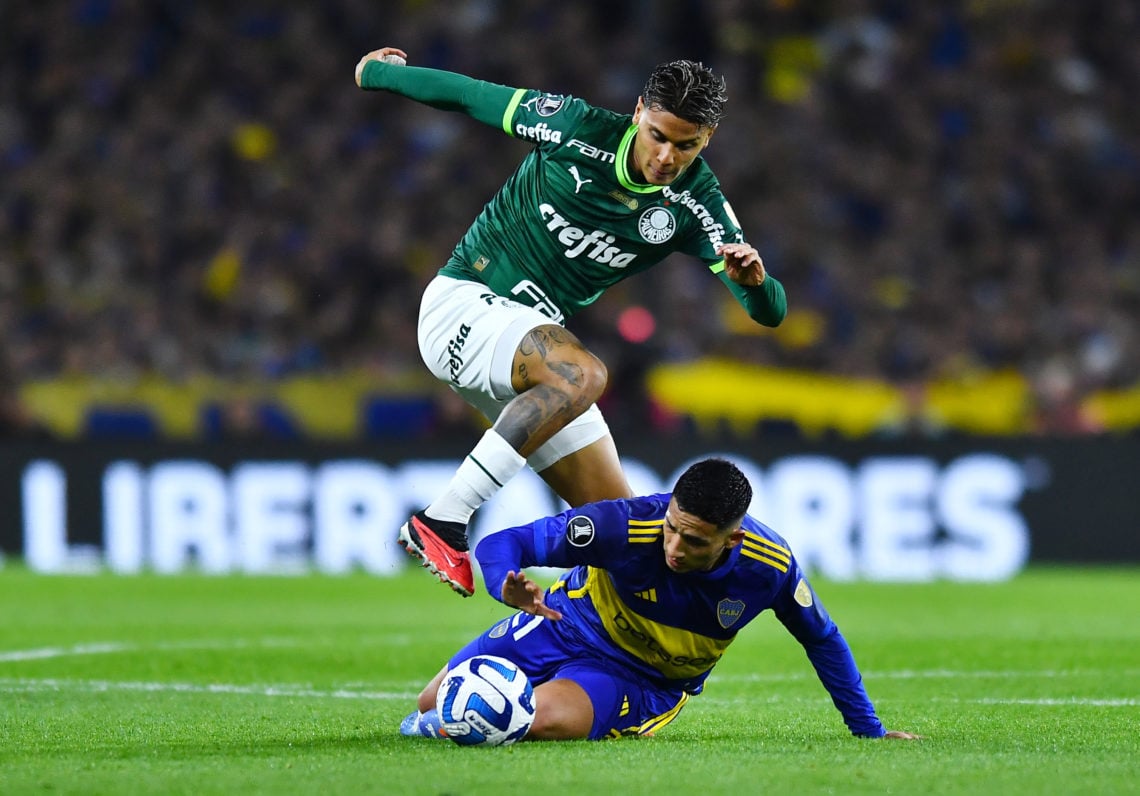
(621, 600)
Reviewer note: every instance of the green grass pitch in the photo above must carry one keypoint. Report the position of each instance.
(195, 684)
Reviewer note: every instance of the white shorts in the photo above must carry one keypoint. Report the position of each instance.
(468, 337)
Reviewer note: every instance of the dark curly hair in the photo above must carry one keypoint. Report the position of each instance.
(715, 491)
(688, 90)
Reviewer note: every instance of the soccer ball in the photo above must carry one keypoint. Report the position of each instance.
(485, 701)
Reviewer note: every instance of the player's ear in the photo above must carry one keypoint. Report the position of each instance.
(734, 538)
(637, 111)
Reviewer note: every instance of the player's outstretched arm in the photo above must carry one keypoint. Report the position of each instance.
(386, 69)
(521, 592)
(384, 53)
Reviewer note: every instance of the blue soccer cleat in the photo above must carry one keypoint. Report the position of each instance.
(422, 724)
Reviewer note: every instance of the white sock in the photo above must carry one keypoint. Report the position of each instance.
(486, 469)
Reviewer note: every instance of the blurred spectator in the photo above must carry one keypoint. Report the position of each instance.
(16, 419)
(16, 422)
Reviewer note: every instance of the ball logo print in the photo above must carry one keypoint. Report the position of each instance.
(485, 701)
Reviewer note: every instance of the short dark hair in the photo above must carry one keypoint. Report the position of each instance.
(688, 90)
(715, 491)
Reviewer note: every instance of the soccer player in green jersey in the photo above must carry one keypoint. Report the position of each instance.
(601, 196)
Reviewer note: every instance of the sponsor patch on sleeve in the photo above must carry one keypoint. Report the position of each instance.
(580, 531)
(803, 594)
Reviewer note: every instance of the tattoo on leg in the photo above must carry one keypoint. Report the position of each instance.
(535, 416)
(570, 372)
(541, 343)
(541, 340)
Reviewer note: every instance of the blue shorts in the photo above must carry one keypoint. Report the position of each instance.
(625, 702)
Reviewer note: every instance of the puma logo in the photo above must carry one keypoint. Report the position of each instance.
(577, 178)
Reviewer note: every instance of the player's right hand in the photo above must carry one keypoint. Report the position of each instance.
(378, 55)
(521, 592)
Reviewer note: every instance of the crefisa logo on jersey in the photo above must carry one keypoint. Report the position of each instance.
(540, 132)
(657, 225)
(580, 531)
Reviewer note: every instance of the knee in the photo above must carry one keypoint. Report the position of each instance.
(563, 712)
(595, 377)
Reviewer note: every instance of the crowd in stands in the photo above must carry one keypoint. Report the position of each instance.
(198, 187)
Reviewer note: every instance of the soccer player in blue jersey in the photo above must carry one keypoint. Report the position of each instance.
(658, 588)
(600, 197)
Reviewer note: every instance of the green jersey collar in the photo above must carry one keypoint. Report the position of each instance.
(622, 165)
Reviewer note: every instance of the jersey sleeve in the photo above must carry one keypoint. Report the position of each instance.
(490, 103)
(800, 611)
(527, 114)
(548, 120)
(767, 304)
(594, 534)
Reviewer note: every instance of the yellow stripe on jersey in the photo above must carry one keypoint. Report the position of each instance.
(509, 111)
(648, 594)
(760, 549)
(645, 530)
(654, 724)
(678, 654)
(769, 561)
(771, 548)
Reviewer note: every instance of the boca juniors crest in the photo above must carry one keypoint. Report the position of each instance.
(728, 611)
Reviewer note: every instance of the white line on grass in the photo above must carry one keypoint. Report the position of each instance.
(26, 685)
(1100, 703)
(113, 647)
(933, 674)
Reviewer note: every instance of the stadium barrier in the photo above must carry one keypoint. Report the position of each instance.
(968, 509)
(351, 405)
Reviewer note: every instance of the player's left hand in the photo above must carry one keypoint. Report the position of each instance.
(378, 55)
(521, 592)
(903, 736)
(742, 263)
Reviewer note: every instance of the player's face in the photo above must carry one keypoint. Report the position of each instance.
(665, 145)
(692, 544)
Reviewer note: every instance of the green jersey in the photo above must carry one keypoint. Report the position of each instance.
(571, 221)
